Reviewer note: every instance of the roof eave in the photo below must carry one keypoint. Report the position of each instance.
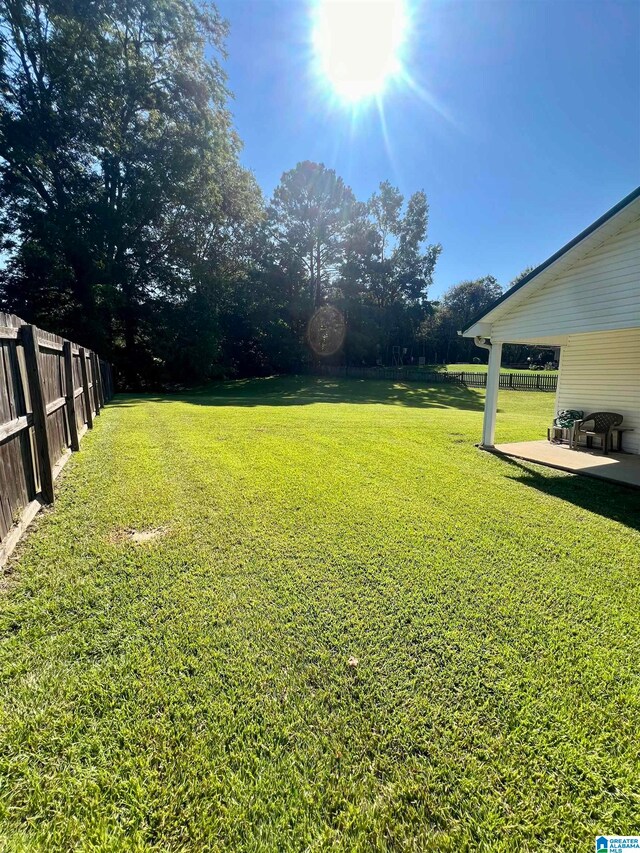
(473, 329)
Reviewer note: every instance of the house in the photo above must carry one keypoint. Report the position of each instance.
(584, 299)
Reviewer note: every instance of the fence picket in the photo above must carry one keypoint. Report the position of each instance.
(88, 404)
(71, 396)
(42, 417)
(38, 403)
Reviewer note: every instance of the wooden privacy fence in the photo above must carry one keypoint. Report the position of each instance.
(50, 392)
(529, 381)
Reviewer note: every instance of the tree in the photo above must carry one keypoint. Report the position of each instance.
(386, 274)
(118, 166)
(309, 217)
(458, 306)
(469, 298)
(387, 258)
(525, 272)
(127, 223)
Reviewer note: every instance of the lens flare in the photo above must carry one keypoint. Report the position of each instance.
(358, 45)
(326, 330)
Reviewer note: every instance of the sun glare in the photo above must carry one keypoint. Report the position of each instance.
(358, 44)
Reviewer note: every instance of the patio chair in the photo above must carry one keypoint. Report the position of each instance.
(561, 430)
(600, 424)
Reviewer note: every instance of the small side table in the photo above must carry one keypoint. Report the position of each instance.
(560, 435)
(615, 443)
(617, 431)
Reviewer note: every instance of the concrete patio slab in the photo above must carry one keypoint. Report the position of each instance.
(622, 468)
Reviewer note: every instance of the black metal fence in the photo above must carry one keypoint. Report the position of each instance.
(528, 381)
(531, 381)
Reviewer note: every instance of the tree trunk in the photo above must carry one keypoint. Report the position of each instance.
(318, 294)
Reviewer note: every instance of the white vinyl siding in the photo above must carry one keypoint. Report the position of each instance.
(601, 372)
(601, 291)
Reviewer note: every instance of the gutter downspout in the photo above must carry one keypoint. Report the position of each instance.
(479, 341)
(493, 384)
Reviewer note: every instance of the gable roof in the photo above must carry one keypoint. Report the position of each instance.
(566, 252)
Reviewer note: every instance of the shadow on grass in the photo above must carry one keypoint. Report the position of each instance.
(617, 502)
(304, 391)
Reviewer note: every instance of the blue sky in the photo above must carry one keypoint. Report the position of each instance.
(530, 128)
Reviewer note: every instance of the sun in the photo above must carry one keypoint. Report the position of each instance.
(358, 45)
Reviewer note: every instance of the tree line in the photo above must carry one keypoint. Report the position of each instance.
(127, 222)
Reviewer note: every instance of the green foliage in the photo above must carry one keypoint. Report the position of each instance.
(309, 214)
(128, 224)
(119, 167)
(385, 277)
(368, 259)
(395, 266)
(469, 298)
(459, 305)
(194, 692)
(525, 272)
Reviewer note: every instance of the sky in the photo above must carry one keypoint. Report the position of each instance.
(521, 120)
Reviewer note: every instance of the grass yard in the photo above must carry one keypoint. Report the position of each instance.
(199, 691)
(482, 368)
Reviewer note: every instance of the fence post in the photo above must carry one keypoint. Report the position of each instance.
(94, 382)
(71, 395)
(98, 374)
(39, 410)
(511, 380)
(102, 389)
(537, 381)
(106, 380)
(85, 387)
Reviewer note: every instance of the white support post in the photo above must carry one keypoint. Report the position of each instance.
(491, 399)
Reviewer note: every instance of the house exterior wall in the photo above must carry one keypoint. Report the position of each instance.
(601, 372)
(601, 291)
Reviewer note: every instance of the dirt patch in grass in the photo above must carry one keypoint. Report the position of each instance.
(139, 537)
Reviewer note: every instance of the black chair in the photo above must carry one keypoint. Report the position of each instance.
(600, 424)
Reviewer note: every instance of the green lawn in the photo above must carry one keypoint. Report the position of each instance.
(194, 692)
(482, 368)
